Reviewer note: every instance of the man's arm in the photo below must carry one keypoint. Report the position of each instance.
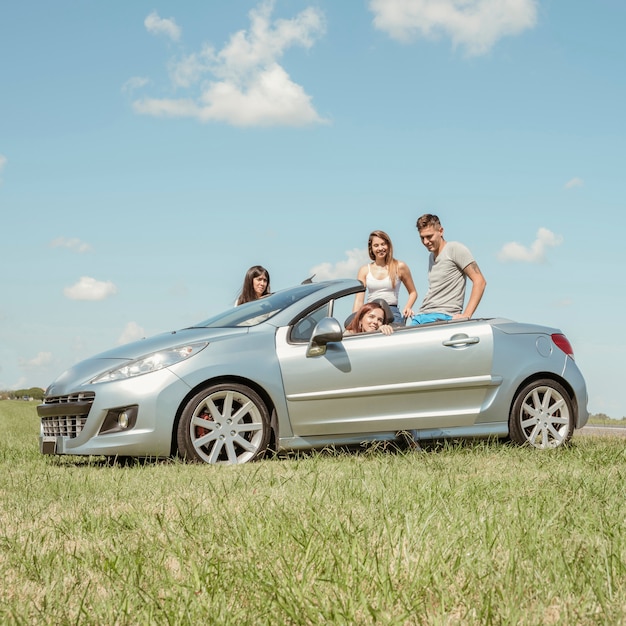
(472, 271)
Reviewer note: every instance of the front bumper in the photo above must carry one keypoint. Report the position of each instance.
(79, 422)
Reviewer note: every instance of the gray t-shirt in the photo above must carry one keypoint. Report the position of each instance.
(446, 280)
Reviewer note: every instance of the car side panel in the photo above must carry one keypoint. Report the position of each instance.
(369, 383)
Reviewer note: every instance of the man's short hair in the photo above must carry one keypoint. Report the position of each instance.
(427, 220)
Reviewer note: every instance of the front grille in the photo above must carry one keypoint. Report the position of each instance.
(68, 426)
(65, 416)
(72, 398)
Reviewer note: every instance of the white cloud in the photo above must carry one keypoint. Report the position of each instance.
(475, 25)
(535, 253)
(342, 269)
(42, 359)
(574, 182)
(162, 26)
(73, 244)
(136, 82)
(131, 332)
(243, 84)
(88, 288)
(3, 162)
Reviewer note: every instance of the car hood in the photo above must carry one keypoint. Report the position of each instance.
(81, 372)
(172, 339)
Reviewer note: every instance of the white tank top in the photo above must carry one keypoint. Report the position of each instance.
(382, 288)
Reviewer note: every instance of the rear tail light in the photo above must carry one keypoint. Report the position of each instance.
(562, 342)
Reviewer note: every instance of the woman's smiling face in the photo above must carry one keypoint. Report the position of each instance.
(372, 320)
(379, 248)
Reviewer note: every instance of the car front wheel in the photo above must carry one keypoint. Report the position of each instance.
(224, 423)
(542, 415)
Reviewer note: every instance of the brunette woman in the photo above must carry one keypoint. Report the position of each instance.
(256, 284)
(369, 318)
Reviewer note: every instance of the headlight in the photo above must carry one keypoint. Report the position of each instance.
(150, 362)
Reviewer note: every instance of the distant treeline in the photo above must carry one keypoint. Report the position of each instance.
(601, 418)
(36, 393)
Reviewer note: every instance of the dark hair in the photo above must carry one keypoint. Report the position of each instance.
(355, 323)
(427, 220)
(389, 260)
(247, 291)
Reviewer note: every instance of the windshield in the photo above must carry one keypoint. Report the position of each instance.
(257, 311)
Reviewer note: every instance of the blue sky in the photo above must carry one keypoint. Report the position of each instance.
(151, 152)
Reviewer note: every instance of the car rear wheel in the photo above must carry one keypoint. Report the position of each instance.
(542, 415)
(224, 423)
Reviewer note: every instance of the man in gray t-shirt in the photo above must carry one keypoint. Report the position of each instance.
(449, 265)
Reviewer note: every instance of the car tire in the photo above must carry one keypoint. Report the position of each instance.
(542, 415)
(224, 423)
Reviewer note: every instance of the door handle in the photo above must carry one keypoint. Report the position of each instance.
(460, 341)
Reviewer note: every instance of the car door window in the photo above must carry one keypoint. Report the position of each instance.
(303, 329)
(339, 308)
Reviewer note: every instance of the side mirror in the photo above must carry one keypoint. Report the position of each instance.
(327, 330)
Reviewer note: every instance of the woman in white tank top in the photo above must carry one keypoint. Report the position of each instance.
(383, 277)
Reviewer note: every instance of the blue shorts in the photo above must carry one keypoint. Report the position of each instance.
(426, 318)
(397, 316)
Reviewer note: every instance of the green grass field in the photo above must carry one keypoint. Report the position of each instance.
(482, 533)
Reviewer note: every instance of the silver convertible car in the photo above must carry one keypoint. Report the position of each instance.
(279, 374)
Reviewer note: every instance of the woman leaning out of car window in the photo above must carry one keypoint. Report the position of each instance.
(369, 318)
